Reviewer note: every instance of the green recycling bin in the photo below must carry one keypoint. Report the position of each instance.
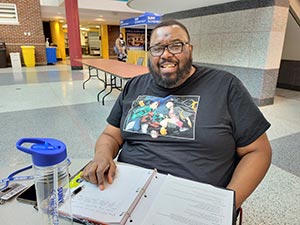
(28, 53)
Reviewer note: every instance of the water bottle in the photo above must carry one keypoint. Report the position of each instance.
(51, 177)
(47, 42)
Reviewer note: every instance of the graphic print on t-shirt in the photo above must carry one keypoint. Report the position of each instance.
(172, 116)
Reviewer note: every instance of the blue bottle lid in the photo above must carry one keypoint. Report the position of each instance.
(44, 151)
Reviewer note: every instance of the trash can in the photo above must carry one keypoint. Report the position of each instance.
(51, 55)
(3, 57)
(15, 60)
(28, 55)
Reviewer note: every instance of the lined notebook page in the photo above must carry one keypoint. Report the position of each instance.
(185, 202)
(111, 204)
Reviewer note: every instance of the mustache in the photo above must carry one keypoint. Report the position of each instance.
(162, 61)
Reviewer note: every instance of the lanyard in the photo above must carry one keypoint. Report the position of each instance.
(11, 177)
(16, 179)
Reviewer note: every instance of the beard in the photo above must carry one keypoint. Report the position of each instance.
(166, 82)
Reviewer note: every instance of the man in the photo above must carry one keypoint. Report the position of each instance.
(204, 125)
(120, 46)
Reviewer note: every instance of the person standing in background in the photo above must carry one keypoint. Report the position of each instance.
(120, 44)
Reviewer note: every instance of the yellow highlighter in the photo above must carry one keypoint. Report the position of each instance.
(76, 181)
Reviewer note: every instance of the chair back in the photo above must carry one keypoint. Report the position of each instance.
(140, 61)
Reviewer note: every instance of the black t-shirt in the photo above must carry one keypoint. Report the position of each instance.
(191, 131)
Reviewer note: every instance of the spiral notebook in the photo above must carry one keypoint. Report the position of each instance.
(174, 201)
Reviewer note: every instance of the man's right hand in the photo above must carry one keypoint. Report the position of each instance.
(98, 171)
(103, 167)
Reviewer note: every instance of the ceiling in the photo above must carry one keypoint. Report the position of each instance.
(96, 12)
(169, 6)
(91, 12)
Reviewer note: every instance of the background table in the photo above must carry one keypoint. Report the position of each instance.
(112, 69)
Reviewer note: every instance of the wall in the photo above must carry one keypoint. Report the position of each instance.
(243, 37)
(291, 49)
(289, 73)
(295, 6)
(30, 21)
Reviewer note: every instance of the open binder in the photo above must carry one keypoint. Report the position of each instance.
(174, 200)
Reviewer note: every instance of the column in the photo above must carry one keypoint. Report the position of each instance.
(104, 42)
(58, 38)
(72, 16)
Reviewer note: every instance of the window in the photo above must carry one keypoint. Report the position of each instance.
(8, 14)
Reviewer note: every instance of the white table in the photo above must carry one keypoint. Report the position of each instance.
(16, 213)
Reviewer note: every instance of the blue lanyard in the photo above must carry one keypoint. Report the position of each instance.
(11, 177)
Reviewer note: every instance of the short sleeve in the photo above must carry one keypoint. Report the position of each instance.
(115, 115)
(247, 120)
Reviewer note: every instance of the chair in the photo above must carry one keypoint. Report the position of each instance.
(239, 211)
(240, 215)
(140, 61)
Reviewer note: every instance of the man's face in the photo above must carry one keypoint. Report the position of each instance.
(170, 70)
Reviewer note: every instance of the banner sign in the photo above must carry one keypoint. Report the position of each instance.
(146, 18)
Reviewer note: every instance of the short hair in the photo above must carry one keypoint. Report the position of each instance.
(167, 23)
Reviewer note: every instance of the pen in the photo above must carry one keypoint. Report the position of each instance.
(77, 190)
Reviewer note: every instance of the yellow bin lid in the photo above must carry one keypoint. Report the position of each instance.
(27, 47)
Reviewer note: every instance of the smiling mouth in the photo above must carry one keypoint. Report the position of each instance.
(168, 65)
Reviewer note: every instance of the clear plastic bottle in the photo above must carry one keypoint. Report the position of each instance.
(51, 178)
(47, 42)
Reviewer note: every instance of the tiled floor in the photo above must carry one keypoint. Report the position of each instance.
(50, 102)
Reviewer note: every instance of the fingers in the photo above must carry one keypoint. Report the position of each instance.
(100, 174)
(87, 173)
(92, 173)
(111, 173)
(97, 172)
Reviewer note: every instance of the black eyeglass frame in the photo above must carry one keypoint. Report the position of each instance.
(164, 47)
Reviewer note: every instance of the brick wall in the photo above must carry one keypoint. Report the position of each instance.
(30, 21)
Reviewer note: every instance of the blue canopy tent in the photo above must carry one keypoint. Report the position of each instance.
(145, 20)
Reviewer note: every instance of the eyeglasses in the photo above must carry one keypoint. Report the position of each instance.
(174, 48)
